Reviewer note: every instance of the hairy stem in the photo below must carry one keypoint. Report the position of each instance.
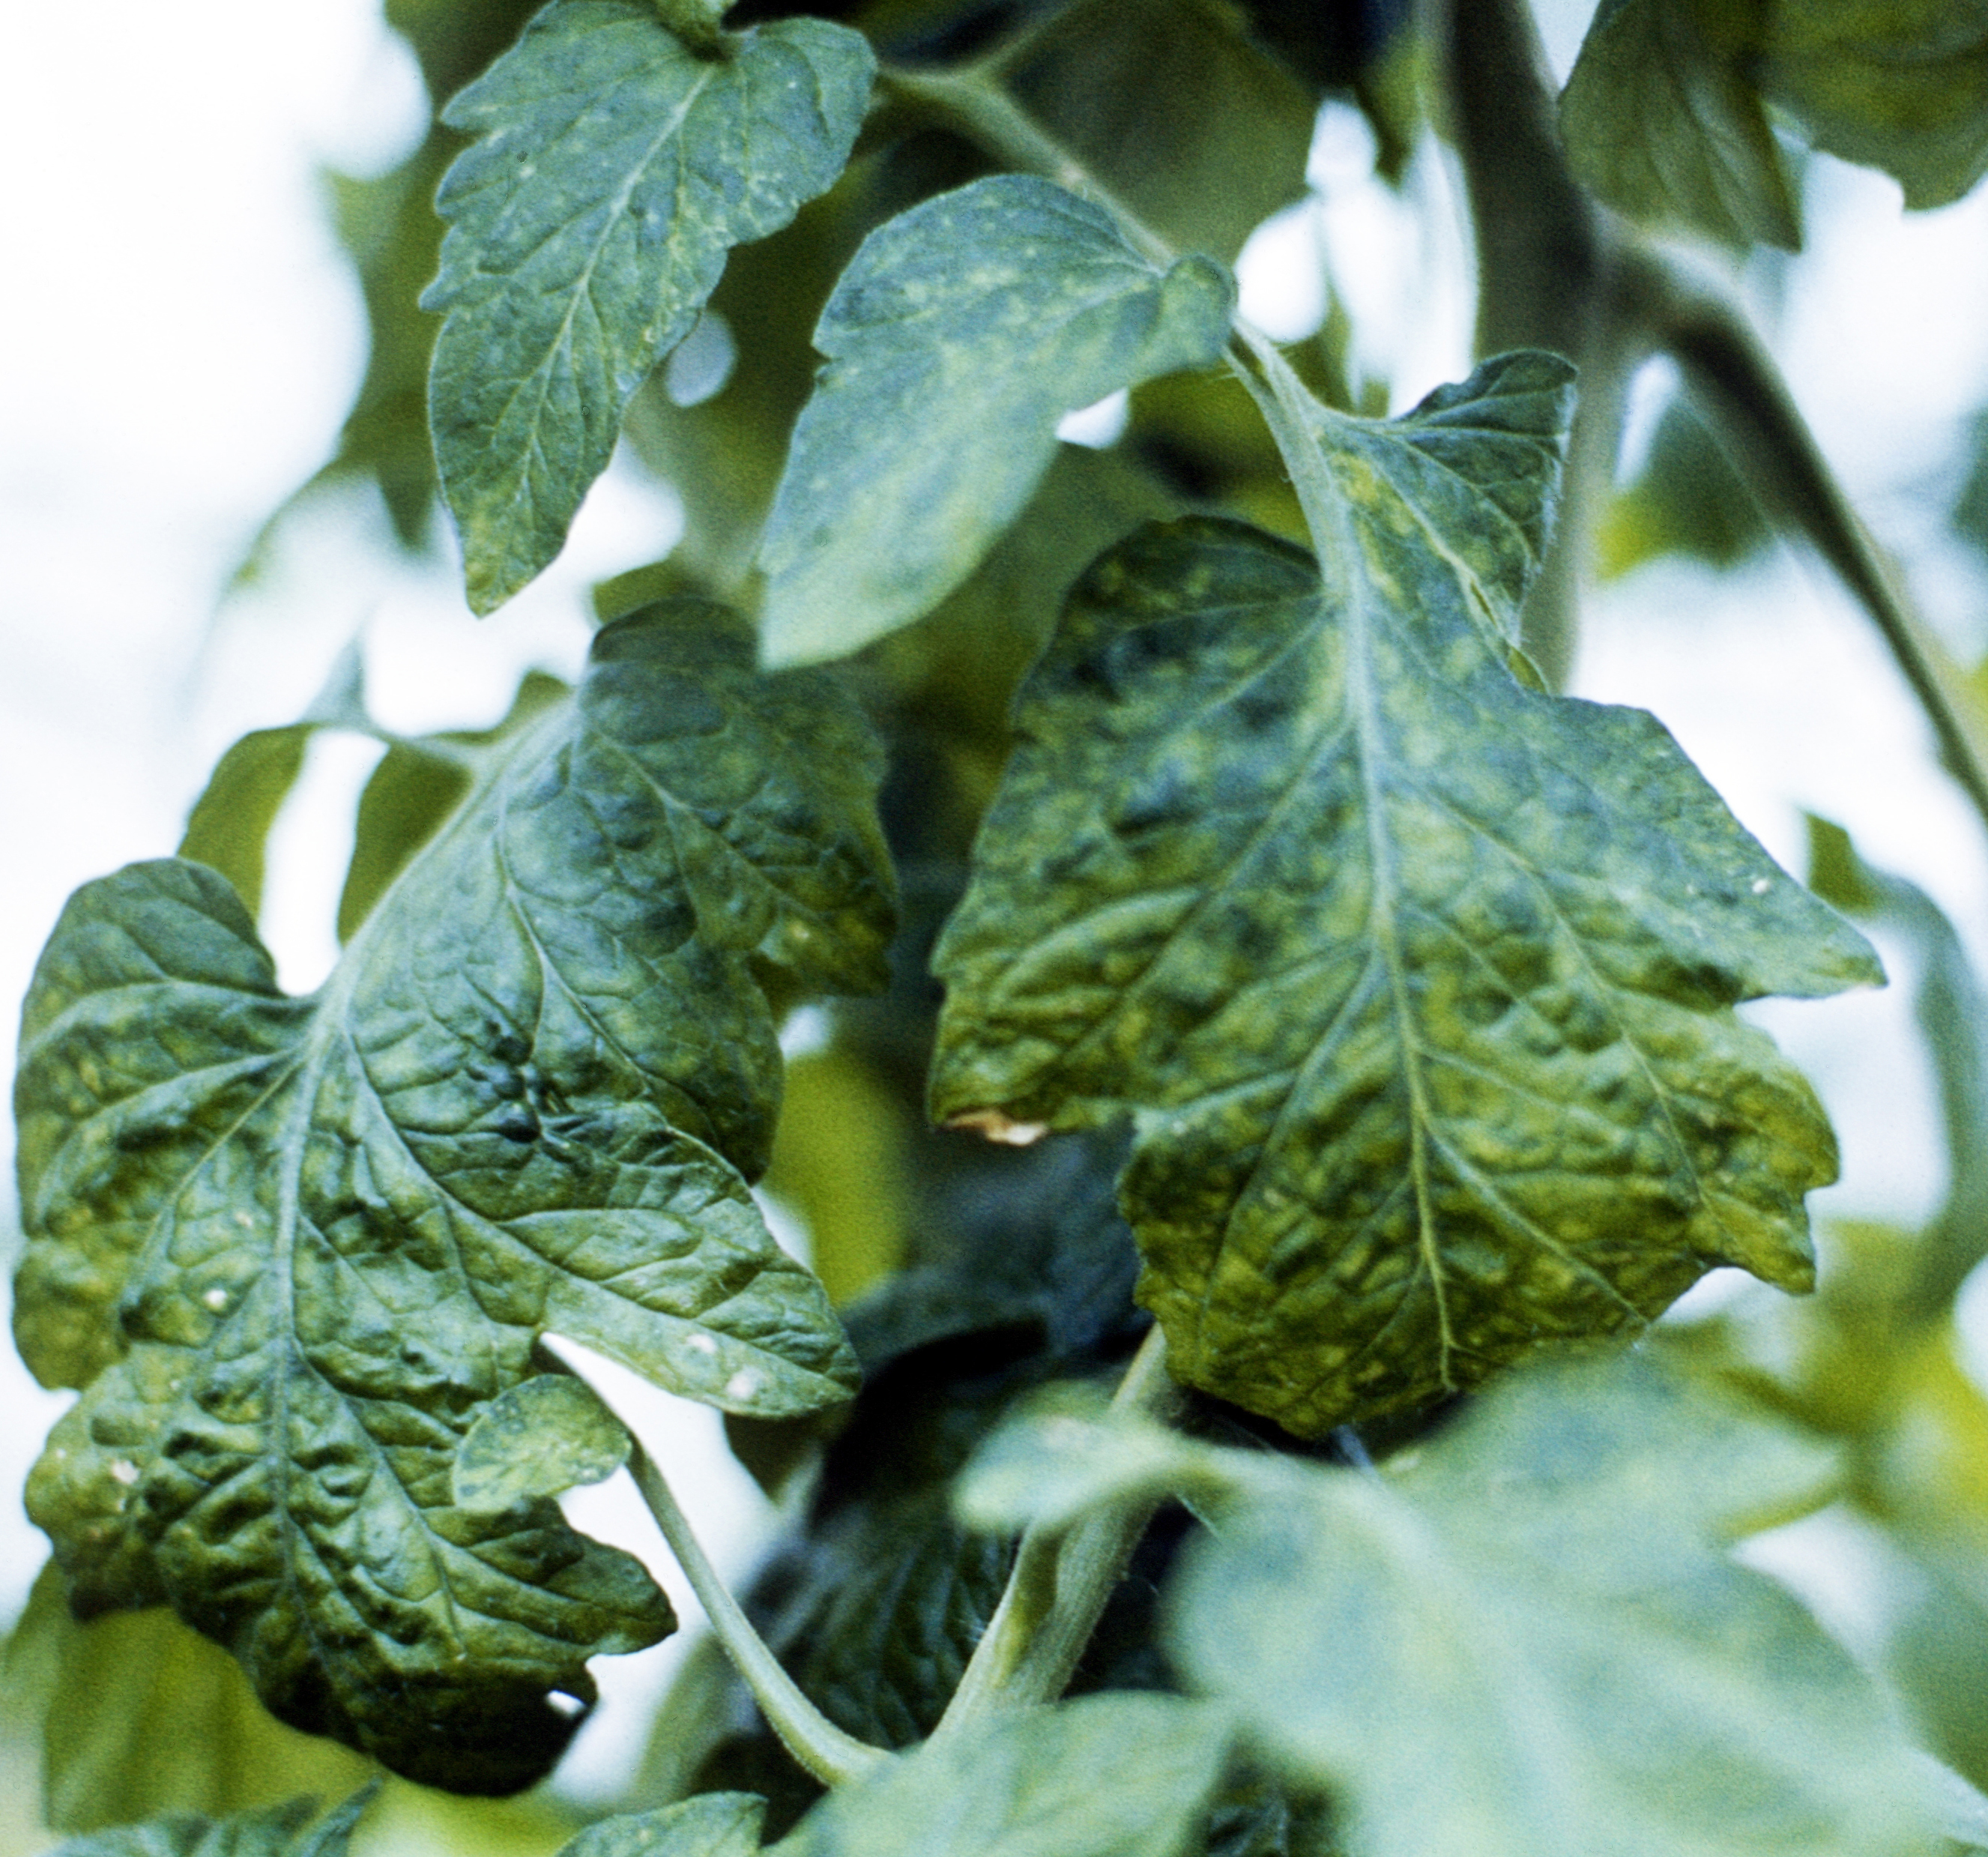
(832, 1757)
(1062, 1580)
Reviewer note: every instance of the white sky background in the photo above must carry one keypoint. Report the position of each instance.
(182, 338)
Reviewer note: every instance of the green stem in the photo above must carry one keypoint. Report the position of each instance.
(979, 108)
(1736, 380)
(833, 1757)
(1061, 1581)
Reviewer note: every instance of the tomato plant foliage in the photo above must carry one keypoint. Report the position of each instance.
(1263, 1445)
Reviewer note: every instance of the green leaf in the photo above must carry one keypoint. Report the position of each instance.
(228, 828)
(1662, 118)
(1175, 109)
(616, 168)
(290, 1247)
(712, 1824)
(139, 1715)
(962, 333)
(1901, 85)
(277, 1832)
(1418, 981)
(1523, 1645)
(1108, 1776)
(538, 1438)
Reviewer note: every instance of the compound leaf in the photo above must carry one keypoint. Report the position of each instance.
(291, 1248)
(615, 169)
(1419, 981)
(1661, 119)
(277, 1831)
(1102, 1776)
(1523, 1645)
(962, 333)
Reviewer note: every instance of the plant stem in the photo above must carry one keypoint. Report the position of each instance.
(1738, 382)
(1061, 1580)
(832, 1757)
(977, 106)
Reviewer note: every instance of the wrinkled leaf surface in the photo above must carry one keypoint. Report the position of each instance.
(615, 168)
(279, 1831)
(1419, 981)
(711, 1825)
(291, 1248)
(961, 332)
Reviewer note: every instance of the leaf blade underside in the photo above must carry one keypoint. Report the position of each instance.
(961, 333)
(616, 168)
(1416, 982)
(291, 1248)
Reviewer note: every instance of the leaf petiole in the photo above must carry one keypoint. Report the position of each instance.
(834, 1758)
(1062, 1579)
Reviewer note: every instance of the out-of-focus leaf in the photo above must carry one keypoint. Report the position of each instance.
(961, 333)
(139, 1715)
(1522, 1644)
(1959, 1809)
(538, 1438)
(1103, 1776)
(1418, 981)
(279, 1831)
(1662, 119)
(228, 828)
(616, 168)
(1688, 500)
(288, 1248)
(1900, 84)
(1970, 509)
(1953, 1019)
(712, 1824)
(1174, 109)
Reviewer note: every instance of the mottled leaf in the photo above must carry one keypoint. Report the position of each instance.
(279, 1831)
(961, 332)
(1418, 981)
(1523, 1644)
(712, 1824)
(289, 1248)
(616, 168)
(1108, 1776)
(1662, 118)
(228, 827)
(538, 1438)
(1900, 84)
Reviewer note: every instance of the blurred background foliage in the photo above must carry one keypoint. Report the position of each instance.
(969, 1273)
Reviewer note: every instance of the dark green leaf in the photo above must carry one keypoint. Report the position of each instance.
(1174, 107)
(289, 1248)
(1662, 118)
(1900, 84)
(1419, 981)
(138, 1715)
(1108, 1776)
(538, 1438)
(616, 169)
(228, 828)
(1522, 1644)
(960, 334)
(712, 1824)
(277, 1832)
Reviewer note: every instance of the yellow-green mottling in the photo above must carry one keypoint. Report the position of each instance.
(961, 333)
(291, 1249)
(1417, 982)
(615, 168)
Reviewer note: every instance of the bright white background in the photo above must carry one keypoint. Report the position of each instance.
(181, 338)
